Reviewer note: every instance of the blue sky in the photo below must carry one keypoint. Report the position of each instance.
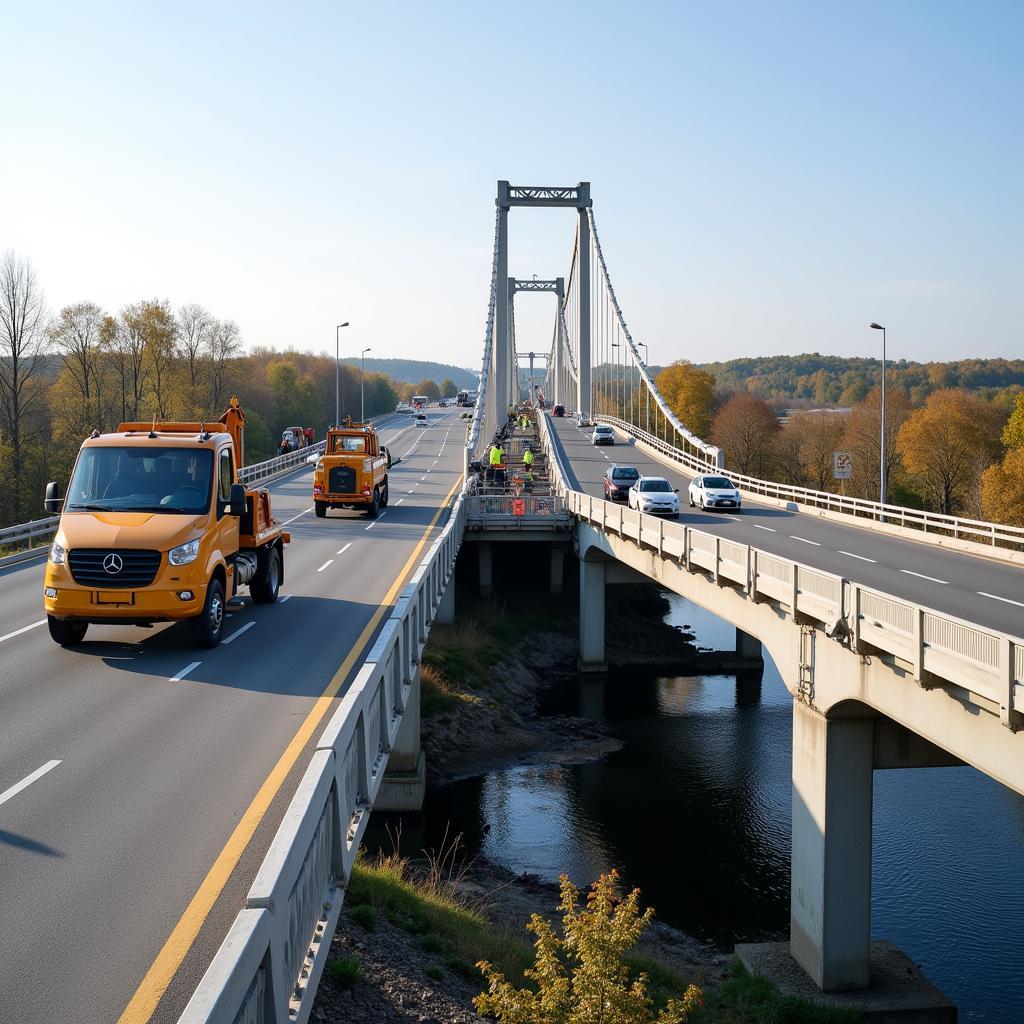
(767, 177)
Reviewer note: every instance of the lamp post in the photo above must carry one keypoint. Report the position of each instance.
(337, 375)
(881, 469)
(362, 399)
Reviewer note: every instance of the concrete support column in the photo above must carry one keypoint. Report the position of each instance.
(747, 646)
(405, 778)
(592, 583)
(583, 395)
(830, 898)
(557, 568)
(446, 606)
(557, 396)
(485, 556)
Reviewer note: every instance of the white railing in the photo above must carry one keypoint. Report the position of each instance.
(988, 663)
(261, 471)
(990, 534)
(524, 511)
(15, 536)
(266, 970)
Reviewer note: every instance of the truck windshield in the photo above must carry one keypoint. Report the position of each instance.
(348, 444)
(131, 479)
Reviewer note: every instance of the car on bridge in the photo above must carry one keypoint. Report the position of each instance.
(714, 492)
(618, 480)
(603, 434)
(655, 495)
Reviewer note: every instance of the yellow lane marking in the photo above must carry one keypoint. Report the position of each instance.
(144, 1002)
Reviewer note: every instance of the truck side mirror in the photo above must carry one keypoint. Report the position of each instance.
(236, 503)
(51, 502)
(387, 452)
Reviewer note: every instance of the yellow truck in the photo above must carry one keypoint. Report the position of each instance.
(352, 472)
(156, 527)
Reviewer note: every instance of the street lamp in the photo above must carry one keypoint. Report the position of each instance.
(881, 472)
(362, 399)
(337, 375)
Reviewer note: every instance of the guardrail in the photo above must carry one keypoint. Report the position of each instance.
(522, 512)
(26, 532)
(990, 534)
(989, 664)
(266, 970)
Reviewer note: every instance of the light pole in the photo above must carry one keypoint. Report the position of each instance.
(337, 375)
(881, 470)
(362, 399)
(647, 393)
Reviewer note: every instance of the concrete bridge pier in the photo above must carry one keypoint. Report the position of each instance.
(747, 646)
(446, 606)
(830, 901)
(592, 584)
(405, 781)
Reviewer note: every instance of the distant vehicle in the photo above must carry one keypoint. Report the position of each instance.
(466, 399)
(654, 494)
(421, 419)
(559, 410)
(603, 434)
(442, 404)
(418, 401)
(714, 492)
(581, 420)
(618, 480)
(352, 472)
(292, 439)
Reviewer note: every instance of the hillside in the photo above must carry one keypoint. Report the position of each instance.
(412, 371)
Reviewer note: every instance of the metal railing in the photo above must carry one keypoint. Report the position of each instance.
(989, 664)
(266, 970)
(523, 511)
(25, 533)
(994, 535)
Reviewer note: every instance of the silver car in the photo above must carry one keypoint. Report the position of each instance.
(715, 492)
(654, 494)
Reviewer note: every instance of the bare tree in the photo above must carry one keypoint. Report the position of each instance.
(76, 336)
(194, 326)
(23, 319)
(224, 343)
(161, 341)
(129, 356)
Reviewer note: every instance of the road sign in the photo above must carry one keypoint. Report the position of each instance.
(842, 465)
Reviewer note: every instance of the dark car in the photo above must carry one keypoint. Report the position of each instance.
(618, 480)
(559, 410)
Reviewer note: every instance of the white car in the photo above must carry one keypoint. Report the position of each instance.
(421, 419)
(715, 492)
(603, 434)
(654, 494)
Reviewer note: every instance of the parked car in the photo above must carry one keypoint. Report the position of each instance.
(714, 492)
(618, 480)
(656, 495)
(603, 434)
(559, 410)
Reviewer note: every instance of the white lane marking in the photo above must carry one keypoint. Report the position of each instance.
(422, 478)
(804, 540)
(770, 529)
(324, 566)
(27, 781)
(377, 520)
(399, 502)
(996, 597)
(299, 516)
(921, 575)
(286, 597)
(410, 492)
(238, 632)
(344, 549)
(24, 629)
(850, 554)
(178, 676)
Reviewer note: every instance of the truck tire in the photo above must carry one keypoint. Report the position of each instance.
(208, 626)
(265, 587)
(66, 632)
(373, 509)
(384, 496)
(321, 509)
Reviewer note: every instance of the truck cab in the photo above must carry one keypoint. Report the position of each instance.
(352, 472)
(156, 527)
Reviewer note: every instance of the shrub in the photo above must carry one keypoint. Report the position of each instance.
(434, 971)
(581, 977)
(365, 916)
(345, 971)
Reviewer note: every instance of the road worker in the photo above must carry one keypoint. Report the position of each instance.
(528, 458)
(497, 455)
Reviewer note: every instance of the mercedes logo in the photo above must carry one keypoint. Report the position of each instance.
(113, 564)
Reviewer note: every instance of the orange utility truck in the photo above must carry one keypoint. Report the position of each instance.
(353, 471)
(155, 527)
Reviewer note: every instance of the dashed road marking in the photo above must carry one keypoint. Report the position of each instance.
(238, 632)
(344, 549)
(376, 521)
(921, 575)
(770, 529)
(24, 629)
(283, 598)
(850, 554)
(996, 597)
(399, 502)
(27, 781)
(299, 516)
(804, 540)
(178, 676)
(324, 566)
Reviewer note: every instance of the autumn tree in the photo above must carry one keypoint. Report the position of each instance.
(946, 444)
(813, 438)
(1002, 490)
(160, 338)
(194, 327)
(746, 427)
(862, 438)
(428, 388)
(127, 346)
(690, 394)
(449, 389)
(223, 343)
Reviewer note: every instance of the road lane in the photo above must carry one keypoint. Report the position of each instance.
(164, 747)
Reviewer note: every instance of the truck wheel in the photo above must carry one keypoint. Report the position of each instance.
(384, 496)
(373, 509)
(208, 625)
(321, 509)
(264, 589)
(66, 632)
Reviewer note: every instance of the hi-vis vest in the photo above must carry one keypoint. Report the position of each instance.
(528, 458)
(495, 456)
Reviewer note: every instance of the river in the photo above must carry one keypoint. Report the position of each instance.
(695, 810)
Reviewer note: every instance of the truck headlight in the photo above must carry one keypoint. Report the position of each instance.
(58, 553)
(184, 553)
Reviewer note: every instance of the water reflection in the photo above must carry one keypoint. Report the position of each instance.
(695, 809)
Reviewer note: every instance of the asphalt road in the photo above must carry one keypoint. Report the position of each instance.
(160, 748)
(977, 589)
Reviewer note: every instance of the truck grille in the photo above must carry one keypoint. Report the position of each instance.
(91, 567)
(341, 480)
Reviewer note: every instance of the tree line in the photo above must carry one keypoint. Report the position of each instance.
(954, 451)
(64, 374)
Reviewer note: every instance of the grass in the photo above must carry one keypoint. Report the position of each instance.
(365, 916)
(344, 972)
(434, 971)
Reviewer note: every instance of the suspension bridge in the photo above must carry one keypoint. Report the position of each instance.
(183, 856)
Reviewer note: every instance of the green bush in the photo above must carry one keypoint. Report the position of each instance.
(345, 971)
(432, 943)
(365, 916)
(435, 971)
